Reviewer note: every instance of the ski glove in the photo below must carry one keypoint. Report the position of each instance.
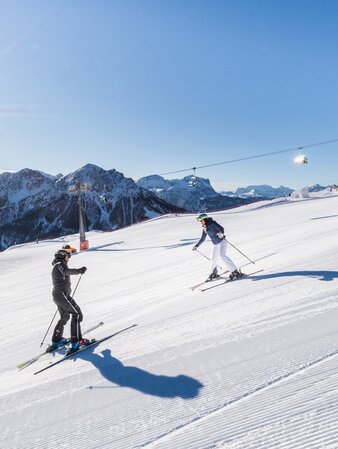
(194, 248)
(220, 235)
(83, 270)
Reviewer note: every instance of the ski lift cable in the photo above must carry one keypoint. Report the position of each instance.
(252, 157)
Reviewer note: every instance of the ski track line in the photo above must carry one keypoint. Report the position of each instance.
(257, 327)
(258, 422)
(254, 439)
(97, 425)
(42, 399)
(129, 419)
(238, 399)
(283, 312)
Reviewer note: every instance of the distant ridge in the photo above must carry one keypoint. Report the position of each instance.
(196, 198)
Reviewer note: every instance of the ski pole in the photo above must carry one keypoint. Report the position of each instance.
(207, 257)
(202, 254)
(239, 251)
(48, 328)
(77, 285)
(56, 311)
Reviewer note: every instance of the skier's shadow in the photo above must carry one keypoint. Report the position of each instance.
(326, 216)
(114, 371)
(320, 275)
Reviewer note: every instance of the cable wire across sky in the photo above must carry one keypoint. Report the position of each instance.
(253, 157)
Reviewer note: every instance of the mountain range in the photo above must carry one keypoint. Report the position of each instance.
(35, 205)
(268, 192)
(193, 198)
(260, 191)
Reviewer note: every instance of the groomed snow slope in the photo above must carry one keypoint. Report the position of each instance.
(250, 364)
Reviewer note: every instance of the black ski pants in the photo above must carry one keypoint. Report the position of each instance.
(67, 306)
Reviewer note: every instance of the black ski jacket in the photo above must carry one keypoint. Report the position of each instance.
(214, 230)
(61, 276)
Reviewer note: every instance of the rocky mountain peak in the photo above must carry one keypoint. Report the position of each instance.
(38, 205)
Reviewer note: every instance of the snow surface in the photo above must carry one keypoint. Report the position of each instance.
(250, 364)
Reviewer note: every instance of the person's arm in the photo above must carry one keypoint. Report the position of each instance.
(65, 271)
(219, 230)
(201, 240)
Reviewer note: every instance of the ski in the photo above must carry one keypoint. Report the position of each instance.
(83, 348)
(229, 280)
(207, 281)
(48, 350)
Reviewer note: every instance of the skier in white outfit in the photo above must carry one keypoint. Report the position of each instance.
(216, 233)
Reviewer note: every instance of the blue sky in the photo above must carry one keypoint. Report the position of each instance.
(153, 86)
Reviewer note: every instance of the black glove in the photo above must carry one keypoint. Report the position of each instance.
(83, 270)
(194, 248)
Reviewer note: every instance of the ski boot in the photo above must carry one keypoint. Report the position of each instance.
(236, 274)
(57, 344)
(76, 345)
(213, 275)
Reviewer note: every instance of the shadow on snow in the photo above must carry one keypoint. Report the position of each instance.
(186, 242)
(163, 386)
(325, 216)
(321, 275)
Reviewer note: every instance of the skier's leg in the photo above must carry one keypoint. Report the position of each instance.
(227, 261)
(64, 317)
(215, 256)
(77, 317)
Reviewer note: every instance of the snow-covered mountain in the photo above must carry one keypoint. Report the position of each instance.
(202, 196)
(18, 186)
(35, 205)
(260, 192)
(315, 188)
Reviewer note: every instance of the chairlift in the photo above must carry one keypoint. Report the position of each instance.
(193, 179)
(300, 159)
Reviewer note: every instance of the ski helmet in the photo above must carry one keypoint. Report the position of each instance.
(61, 254)
(202, 217)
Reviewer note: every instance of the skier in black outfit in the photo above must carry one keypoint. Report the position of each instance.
(65, 303)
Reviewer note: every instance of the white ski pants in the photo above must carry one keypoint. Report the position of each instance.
(219, 252)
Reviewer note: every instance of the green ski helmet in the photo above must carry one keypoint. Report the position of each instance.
(202, 217)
